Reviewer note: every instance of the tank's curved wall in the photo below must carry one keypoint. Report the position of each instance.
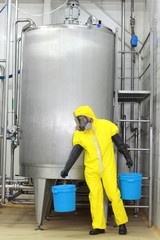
(63, 67)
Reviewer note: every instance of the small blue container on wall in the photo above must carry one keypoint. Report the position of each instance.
(130, 185)
(64, 198)
(134, 41)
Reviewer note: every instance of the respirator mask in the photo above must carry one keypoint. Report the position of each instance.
(83, 123)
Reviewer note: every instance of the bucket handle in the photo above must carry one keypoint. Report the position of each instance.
(68, 177)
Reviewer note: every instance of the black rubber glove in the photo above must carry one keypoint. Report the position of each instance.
(122, 149)
(76, 151)
(129, 162)
(64, 173)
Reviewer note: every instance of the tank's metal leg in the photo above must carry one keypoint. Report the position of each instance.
(114, 222)
(39, 229)
(49, 207)
(42, 189)
(136, 210)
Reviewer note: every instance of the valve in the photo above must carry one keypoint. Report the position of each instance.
(72, 11)
(12, 134)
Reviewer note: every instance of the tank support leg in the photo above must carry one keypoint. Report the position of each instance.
(42, 192)
(39, 228)
(49, 207)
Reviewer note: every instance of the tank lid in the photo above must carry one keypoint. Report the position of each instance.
(63, 25)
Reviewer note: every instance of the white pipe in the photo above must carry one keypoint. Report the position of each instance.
(123, 47)
(132, 65)
(14, 63)
(6, 101)
(123, 62)
(18, 79)
(2, 69)
(14, 83)
(30, 23)
(23, 202)
(16, 12)
(25, 180)
(17, 187)
(47, 8)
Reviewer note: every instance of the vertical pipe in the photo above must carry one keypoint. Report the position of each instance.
(123, 60)
(16, 67)
(136, 210)
(123, 46)
(116, 84)
(47, 6)
(116, 77)
(12, 162)
(3, 201)
(2, 94)
(14, 82)
(132, 17)
(14, 93)
(16, 12)
(124, 117)
(132, 65)
(2, 114)
(2, 109)
(139, 72)
(151, 128)
(18, 89)
(139, 111)
(139, 136)
(16, 108)
(136, 152)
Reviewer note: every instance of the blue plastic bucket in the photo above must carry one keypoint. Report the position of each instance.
(130, 185)
(64, 198)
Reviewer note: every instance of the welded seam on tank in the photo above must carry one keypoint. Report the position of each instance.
(98, 151)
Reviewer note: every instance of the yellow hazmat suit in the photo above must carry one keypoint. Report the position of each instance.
(100, 167)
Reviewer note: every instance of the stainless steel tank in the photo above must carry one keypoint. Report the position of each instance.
(63, 67)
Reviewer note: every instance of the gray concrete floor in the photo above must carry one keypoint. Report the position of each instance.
(19, 223)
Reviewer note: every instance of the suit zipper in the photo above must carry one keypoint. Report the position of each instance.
(98, 151)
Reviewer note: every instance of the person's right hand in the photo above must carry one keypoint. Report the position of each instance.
(129, 162)
(64, 173)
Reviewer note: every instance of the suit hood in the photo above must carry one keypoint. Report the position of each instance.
(84, 111)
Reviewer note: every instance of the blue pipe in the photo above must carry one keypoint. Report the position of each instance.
(3, 8)
(10, 76)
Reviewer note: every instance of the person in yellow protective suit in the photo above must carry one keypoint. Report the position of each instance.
(95, 137)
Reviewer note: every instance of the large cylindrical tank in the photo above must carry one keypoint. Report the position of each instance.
(63, 67)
